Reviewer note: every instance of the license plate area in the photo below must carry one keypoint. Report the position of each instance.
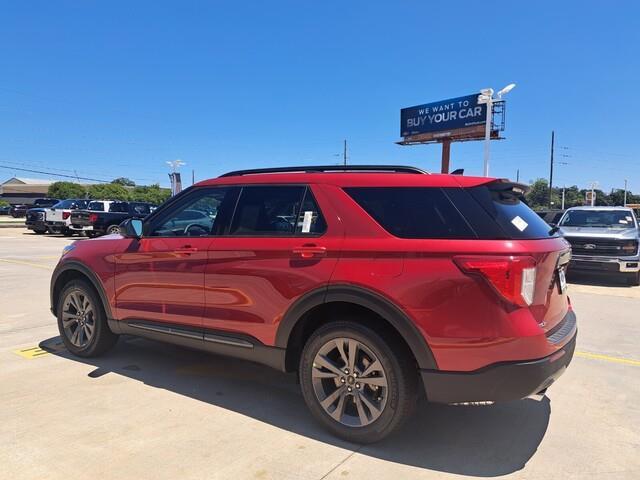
(562, 280)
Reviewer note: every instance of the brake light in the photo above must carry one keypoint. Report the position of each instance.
(93, 217)
(513, 277)
(66, 215)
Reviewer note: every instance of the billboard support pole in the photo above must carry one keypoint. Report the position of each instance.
(446, 155)
(487, 135)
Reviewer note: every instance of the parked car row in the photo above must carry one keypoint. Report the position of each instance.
(84, 216)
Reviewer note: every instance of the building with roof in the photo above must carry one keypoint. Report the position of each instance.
(18, 190)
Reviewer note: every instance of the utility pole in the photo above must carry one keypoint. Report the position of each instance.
(563, 188)
(625, 193)
(517, 175)
(344, 153)
(193, 176)
(553, 134)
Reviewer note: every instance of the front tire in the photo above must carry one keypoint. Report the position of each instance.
(82, 321)
(356, 384)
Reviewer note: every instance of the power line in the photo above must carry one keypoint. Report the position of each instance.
(8, 167)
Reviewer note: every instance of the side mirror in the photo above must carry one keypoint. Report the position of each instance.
(132, 228)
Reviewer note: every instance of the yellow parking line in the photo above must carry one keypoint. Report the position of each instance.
(30, 353)
(607, 358)
(29, 264)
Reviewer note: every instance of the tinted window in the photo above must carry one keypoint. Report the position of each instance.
(140, 208)
(96, 206)
(505, 207)
(203, 212)
(267, 211)
(412, 212)
(71, 204)
(119, 207)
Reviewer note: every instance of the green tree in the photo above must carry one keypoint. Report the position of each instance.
(4, 203)
(124, 181)
(151, 193)
(538, 195)
(108, 191)
(64, 190)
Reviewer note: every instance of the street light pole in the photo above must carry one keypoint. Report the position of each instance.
(625, 193)
(486, 96)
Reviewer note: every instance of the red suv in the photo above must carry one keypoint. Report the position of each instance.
(370, 281)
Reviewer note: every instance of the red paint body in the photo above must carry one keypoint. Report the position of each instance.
(246, 285)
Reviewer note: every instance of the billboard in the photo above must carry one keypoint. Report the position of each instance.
(451, 114)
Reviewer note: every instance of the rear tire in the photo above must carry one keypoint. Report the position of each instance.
(367, 403)
(40, 231)
(82, 321)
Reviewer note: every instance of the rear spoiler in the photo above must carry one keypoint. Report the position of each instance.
(504, 185)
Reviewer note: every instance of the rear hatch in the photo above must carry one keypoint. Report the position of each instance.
(497, 210)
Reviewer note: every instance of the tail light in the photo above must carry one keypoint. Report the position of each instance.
(66, 215)
(512, 277)
(93, 218)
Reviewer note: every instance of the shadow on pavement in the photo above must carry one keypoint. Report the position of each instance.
(466, 440)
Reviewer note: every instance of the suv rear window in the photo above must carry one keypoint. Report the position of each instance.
(412, 212)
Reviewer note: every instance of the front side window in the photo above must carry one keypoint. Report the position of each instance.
(200, 214)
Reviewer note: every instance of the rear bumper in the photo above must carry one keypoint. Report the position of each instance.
(499, 382)
(80, 228)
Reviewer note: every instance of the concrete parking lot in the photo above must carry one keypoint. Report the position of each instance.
(148, 410)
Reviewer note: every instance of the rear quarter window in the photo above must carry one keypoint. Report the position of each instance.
(412, 212)
(507, 209)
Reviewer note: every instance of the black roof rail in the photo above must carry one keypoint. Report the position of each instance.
(328, 168)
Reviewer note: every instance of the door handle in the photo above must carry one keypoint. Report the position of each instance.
(310, 251)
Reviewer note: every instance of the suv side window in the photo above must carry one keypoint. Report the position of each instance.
(119, 207)
(412, 212)
(269, 211)
(203, 212)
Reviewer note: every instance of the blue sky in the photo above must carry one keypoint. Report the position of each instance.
(110, 89)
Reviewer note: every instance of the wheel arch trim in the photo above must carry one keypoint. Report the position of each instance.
(84, 270)
(366, 298)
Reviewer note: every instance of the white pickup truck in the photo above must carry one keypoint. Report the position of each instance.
(58, 217)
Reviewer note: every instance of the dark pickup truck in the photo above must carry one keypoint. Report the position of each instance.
(96, 223)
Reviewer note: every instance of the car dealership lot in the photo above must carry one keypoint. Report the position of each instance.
(148, 410)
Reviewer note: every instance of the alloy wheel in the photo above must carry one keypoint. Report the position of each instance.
(78, 318)
(349, 382)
